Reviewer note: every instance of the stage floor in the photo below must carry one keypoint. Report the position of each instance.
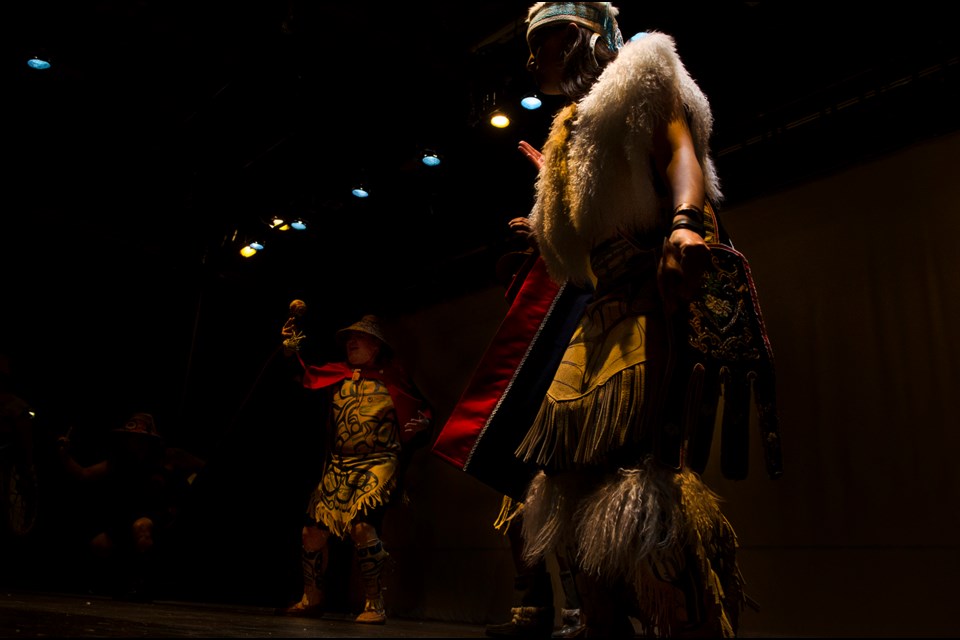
(25, 614)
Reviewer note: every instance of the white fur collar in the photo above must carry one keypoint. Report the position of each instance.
(610, 183)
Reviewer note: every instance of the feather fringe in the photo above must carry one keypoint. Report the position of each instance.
(546, 514)
(644, 528)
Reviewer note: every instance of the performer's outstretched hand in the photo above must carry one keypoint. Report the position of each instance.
(289, 327)
(520, 227)
(416, 426)
(531, 152)
(292, 337)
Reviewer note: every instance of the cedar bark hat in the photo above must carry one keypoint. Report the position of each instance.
(368, 324)
(139, 423)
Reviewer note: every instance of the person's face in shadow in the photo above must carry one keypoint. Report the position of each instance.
(546, 62)
(362, 349)
(133, 450)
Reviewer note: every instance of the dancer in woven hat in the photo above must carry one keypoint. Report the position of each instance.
(376, 413)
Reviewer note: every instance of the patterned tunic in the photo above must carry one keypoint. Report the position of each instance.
(360, 473)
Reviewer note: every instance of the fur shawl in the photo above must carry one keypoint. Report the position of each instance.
(606, 181)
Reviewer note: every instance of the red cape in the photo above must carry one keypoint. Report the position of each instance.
(406, 400)
(506, 389)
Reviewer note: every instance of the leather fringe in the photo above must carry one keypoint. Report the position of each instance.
(339, 522)
(582, 431)
(509, 509)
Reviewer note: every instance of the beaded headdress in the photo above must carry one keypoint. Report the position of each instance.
(600, 17)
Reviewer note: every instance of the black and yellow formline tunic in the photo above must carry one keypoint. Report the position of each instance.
(361, 471)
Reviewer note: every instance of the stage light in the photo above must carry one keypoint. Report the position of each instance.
(360, 191)
(492, 111)
(531, 101)
(298, 224)
(499, 119)
(430, 158)
(38, 63)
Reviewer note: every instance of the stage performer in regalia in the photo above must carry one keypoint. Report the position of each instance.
(627, 341)
(376, 415)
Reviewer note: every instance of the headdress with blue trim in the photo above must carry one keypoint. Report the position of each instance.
(600, 17)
